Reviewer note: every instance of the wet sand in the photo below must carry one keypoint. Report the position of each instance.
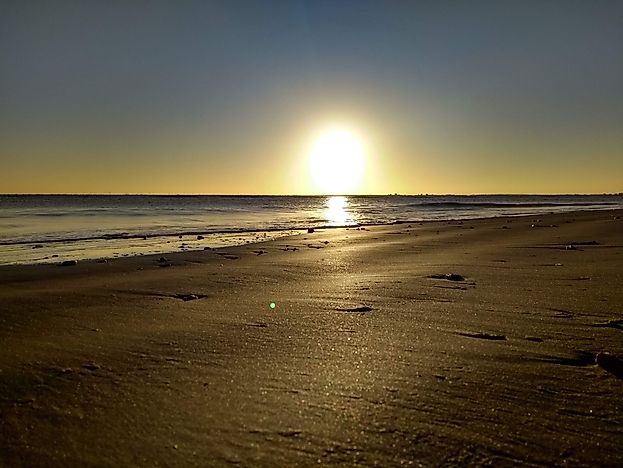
(372, 355)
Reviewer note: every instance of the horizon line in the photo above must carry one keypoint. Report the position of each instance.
(396, 194)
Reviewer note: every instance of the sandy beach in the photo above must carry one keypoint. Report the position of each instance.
(438, 343)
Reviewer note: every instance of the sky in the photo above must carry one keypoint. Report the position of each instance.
(229, 97)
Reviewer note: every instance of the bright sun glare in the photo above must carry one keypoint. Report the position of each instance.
(337, 162)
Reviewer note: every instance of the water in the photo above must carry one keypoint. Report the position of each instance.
(52, 228)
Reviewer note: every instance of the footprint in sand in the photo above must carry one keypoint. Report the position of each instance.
(448, 276)
(616, 324)
(482, 335)
(610, 363)
(354, 309)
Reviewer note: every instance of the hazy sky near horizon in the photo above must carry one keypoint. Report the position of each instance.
(228, 96)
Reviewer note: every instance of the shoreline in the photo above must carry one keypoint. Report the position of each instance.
(372, 354)
(218, 238)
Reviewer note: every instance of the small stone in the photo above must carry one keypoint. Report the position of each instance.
(310, 230)
(69, 263)
(200, 237)
(37, 246)
(162, 260)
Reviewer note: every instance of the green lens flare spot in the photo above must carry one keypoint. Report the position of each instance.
(273, 305)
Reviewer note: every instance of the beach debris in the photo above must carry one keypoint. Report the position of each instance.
(354, 309)
(69, 263)
(610, 363)
(570, 247)
(189, 297)
(37, 246)
(448, 276)
(92, 366)
(259, 252)
(482, 335)
(200, 237)
(310, 230)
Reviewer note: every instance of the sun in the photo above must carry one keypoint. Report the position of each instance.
(337, 162)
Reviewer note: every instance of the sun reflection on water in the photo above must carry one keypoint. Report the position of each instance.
(337, 211)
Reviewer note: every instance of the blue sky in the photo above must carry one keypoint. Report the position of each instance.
(221, 97)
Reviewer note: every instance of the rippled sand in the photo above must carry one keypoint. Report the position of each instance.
(453, 343)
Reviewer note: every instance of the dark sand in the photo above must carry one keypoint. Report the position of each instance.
(365, 360)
